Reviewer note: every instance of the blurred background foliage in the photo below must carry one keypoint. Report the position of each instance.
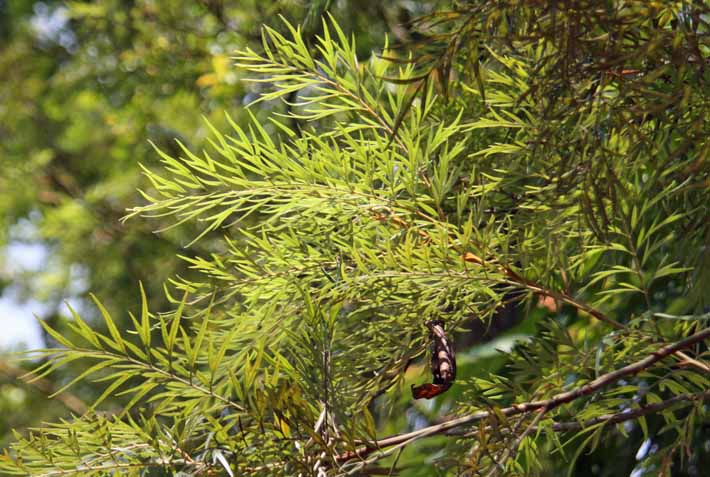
(86, 86)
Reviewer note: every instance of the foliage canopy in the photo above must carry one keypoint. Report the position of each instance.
(521, 155)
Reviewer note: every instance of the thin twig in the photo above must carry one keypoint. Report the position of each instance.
(541, 290)
(692, 362)
(625, 415)
(512, 450)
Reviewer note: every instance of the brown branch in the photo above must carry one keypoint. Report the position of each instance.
(626, 415)
(541, 290)
(631, 414)
(565, 298)
(73, 403)
(548, 404)
(687, 360)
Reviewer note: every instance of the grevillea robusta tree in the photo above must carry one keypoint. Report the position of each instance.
(546, 157)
